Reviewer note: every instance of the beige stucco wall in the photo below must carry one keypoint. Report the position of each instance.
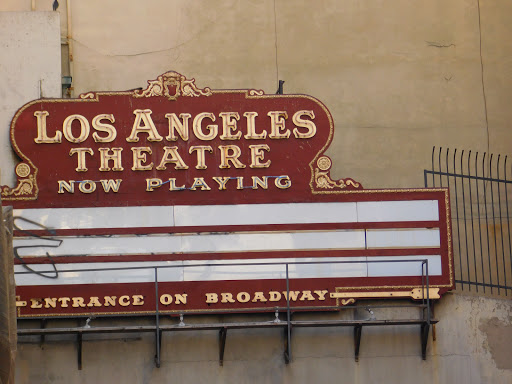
(398, 76)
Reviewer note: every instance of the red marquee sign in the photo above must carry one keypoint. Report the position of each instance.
(220, 195)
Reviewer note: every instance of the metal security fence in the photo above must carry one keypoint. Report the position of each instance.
(480, 187)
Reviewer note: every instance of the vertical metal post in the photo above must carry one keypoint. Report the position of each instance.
(457, 218)
(472, 220)
(494, 225)
(288, 357)
(508, 217)
(501, 227)
(487, 224)
(479, 224)
(157, 314)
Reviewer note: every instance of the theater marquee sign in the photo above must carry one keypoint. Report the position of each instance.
(224, 197)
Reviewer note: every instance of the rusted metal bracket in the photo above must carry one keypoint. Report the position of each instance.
(358, 329)
(222, 344)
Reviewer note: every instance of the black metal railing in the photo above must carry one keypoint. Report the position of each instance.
(481, 194)
(424, 305)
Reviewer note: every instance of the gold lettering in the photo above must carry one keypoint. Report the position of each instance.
(212, 298)
(139, 157)
(87, 186)
(124, 301)
(229, 120)
(321, 294)
(67, 128)
(106, 157)
(258, 182)
(50, 302)
(42, 136)
(221, 181)
(151, 184)
(94, 302)
(176, 124)
(64, 185)
(293, 295)
(227, 297)
(64, 301)
(81, 167)
(102, 127)
(274, 296)
(226, 156)
(212, 128)
(257, 156)
(180, 298)
(301, 123)
(201, 163)
(175, 158)
(306, 295)
(173, 187)
(199, 182)
(78, 302)
(166, 299)
(109, 301)
(111, 184)
(283, 182)
(259, 296)
(143, 116)
(277, 125)
(36, 303)
(251, 127)
(243, 297)
(240, 182)
(138, 300)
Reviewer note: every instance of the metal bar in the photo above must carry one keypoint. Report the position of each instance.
(487, 224)
(222, 344)
(157, 322)
(479, 225)
(465, 219)
(501, 225)
(433, 176)
(79, 350)
(219, 326)
(358, 329)
(457, 218)
(472, 220)
(508, 216)
(485, 285)
(494, 226)
(439, 166)
(424, 339)
(288, 354)
(465, 176)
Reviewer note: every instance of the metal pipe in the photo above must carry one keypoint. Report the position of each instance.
(69, 39)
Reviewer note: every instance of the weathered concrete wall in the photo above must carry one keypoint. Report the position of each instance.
(473, 345)
(29, 69)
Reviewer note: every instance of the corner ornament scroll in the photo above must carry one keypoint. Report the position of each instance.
(172, 85)
(323, 180)
(26, 188)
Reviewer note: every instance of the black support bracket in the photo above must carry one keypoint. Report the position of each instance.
(358, 329)
(222, 344)
(425, 327)
(79, 350)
